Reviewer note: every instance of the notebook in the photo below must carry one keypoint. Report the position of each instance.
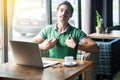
(28, 53)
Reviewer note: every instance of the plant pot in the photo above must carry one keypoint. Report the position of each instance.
(98, 30)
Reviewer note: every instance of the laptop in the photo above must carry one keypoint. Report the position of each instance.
(28, 53)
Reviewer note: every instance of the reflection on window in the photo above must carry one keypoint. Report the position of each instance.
(29, 18)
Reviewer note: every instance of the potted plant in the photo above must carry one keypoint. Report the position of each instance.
(99, 22)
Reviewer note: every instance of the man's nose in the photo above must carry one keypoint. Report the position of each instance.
(64, 12)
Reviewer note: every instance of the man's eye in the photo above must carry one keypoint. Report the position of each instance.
(61, 10)
(68, 12)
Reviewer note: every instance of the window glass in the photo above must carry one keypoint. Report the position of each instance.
(0, 41)
(74, 19)
(115, 12)
(1, 10)
(1, 29)
(28, 19)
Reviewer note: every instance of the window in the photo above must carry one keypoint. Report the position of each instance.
(1, 25)
(116, 12)
(3, 31)
(28, 19)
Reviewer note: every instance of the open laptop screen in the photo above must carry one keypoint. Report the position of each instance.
(28, 53)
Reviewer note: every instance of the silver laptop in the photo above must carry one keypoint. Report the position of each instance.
(28, 53)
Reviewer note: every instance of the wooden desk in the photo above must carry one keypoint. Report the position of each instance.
(60, 72)
(103, 36)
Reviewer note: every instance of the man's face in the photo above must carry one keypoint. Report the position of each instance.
(64, 13)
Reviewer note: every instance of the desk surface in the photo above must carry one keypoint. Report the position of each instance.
(104, 36)
(60, 72)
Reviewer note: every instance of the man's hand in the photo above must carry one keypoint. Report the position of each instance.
(70, 42)
(48, 44)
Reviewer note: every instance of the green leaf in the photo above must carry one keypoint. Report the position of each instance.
(98, 19)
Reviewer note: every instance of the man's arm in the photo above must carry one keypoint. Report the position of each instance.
(45, 45)
(86, 44)
(38, 39)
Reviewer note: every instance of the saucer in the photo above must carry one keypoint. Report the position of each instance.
(72, 64)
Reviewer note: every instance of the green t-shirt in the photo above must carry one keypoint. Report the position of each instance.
(61, 49)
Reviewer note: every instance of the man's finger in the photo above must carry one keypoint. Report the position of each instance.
(70, 36)
(53, 40)
(49, 40)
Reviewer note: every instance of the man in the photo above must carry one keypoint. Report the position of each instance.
(62, 39)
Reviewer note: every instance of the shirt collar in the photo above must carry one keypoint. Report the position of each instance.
(67, 29)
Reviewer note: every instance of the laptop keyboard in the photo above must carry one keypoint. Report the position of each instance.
(44, 63)
(49, 62)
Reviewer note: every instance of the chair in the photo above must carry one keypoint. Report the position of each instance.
(109, 61)
(91, 74)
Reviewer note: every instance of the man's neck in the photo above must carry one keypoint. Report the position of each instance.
(61, 27)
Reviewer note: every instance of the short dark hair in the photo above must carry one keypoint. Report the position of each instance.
(68, 4)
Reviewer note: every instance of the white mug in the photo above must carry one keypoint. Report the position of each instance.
(68, 59)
